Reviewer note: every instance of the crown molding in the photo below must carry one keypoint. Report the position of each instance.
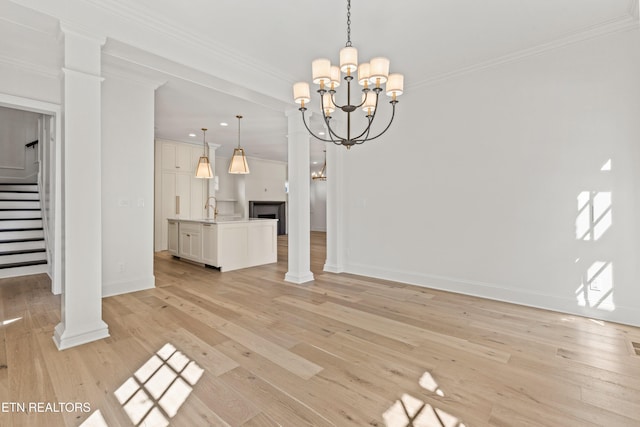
(210, 48)
(39, 69)
(117, 68)
(634, 6)
(624, 23)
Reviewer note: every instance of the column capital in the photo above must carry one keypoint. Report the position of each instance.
(67, 28)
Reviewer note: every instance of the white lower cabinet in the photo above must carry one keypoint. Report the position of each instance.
(173, 237)
(227, 245)
(210, 244)
(190, 245)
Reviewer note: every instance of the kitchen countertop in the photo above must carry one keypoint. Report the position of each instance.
(223, 220)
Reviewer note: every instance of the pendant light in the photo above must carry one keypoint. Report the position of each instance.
(238, 163)
(204, 166)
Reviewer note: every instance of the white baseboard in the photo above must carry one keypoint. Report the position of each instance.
(333, 268)
(24, 271)
(621, 314)
(127, 286)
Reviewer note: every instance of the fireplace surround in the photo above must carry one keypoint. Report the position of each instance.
(270, 209)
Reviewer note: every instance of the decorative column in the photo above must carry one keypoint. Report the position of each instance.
(335, 260)
(299, 209)
(81, 314)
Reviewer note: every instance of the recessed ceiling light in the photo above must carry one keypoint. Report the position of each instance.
(192, 135)
(320, 133)
(224, 124)
(315, 163)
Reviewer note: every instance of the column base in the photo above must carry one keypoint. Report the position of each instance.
(65, 339)
(298, 278)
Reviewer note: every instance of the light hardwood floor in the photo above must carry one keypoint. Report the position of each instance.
(342, 351)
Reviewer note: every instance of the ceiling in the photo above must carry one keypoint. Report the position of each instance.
(214, 60)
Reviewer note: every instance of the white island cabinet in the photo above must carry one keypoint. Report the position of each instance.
(227, 245)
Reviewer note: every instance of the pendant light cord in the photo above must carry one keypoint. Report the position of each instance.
(348, 23)
(239, 117)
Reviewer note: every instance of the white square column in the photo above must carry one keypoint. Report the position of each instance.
(81, 314)
(299, 270)
(335, 261)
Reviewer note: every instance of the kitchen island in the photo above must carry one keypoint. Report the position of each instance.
(225, 244)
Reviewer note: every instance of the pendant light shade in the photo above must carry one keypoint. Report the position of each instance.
(239, 163)
(204, 166)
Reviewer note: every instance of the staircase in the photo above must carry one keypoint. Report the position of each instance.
(22, 245)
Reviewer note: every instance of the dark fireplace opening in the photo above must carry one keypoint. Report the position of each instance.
(270, 216)
(271, 210)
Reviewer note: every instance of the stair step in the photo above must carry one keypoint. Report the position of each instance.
(19, 204)
(24, 257)
(19, 213)
(19, 187)
(20, 224)
(21, 245)
(15, 195)
(21, 235)
(21, 251)
(22, 264)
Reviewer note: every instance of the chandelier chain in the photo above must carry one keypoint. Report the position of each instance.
(348, 23)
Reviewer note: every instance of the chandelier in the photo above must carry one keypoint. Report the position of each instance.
(371, 75)
(322, 175)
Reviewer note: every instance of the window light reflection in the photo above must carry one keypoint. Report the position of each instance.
(157, 390)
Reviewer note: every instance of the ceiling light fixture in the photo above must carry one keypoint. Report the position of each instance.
(373, 73)
(239, 160)
(322, 175)
(204, 166)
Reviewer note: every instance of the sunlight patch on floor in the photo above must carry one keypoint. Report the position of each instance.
(156, 391)
(410, 411)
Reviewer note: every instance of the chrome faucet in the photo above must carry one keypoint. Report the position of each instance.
(208, 205)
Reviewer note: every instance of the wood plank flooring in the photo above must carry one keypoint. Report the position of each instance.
(248, 349)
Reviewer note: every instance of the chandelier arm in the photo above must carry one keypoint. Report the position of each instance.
(370, 118)
(331, 131)
(332, 134)
(365, 132)
(393, 113)
(313, 134)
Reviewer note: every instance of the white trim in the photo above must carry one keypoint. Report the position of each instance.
(621, 24)
(24, 271)
(65, 339)
(299, 278)
(622, 314)
(39, 69)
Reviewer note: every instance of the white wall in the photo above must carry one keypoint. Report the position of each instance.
(318, 198)
(483, 175)
(17, 128)
(266, 182)
(127, 185)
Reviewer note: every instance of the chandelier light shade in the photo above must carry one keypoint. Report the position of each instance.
(370, 75)
(204, 166)
(238, 164)
(322, 175)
